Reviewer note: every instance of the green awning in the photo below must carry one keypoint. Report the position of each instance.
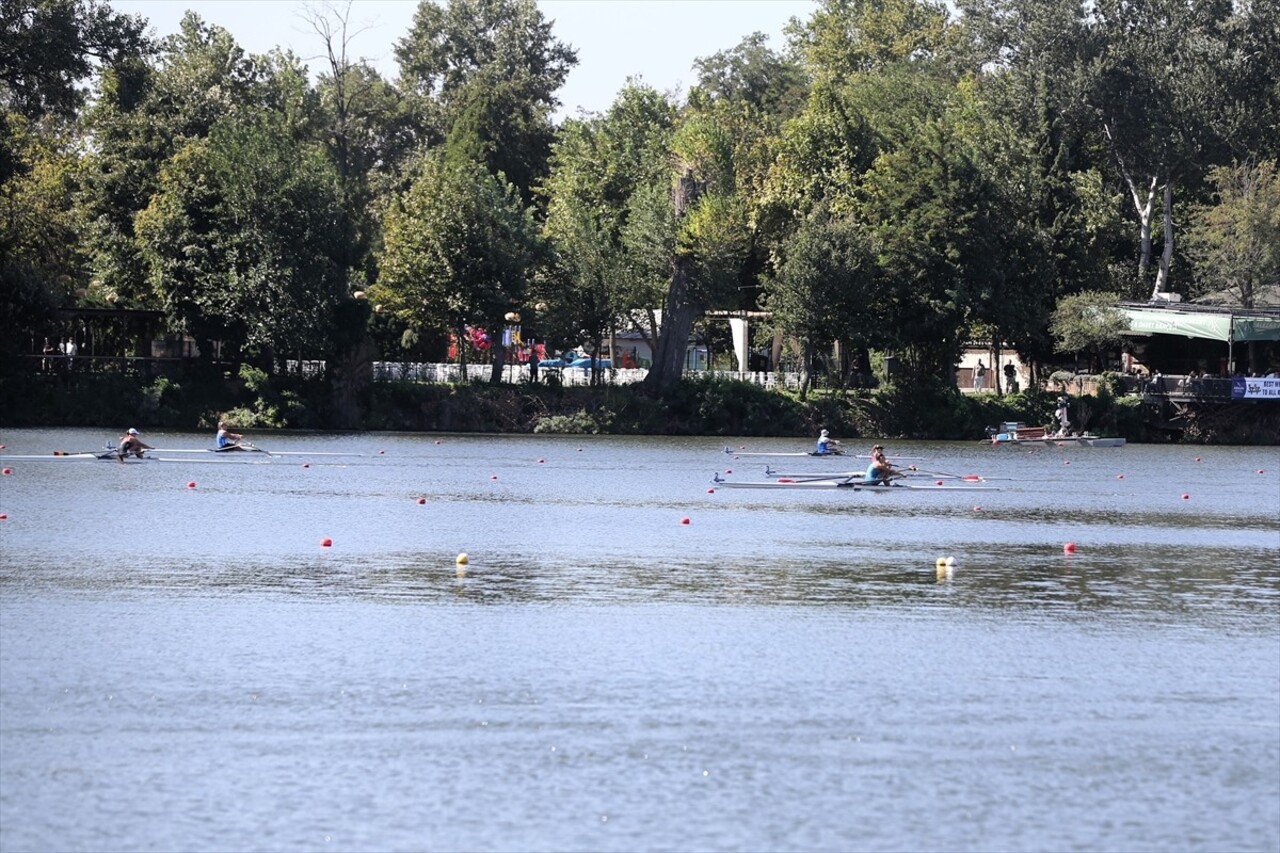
(1215, 326)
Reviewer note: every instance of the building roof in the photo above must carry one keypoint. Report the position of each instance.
(1214, 322)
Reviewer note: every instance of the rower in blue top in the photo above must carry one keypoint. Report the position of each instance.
(227, 438)
(879, 470)
(827, 445)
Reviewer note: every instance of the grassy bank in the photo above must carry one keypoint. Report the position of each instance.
(697, 407)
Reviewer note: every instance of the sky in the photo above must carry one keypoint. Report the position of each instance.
(656, 40)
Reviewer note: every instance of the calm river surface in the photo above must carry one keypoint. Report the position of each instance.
(187, 668)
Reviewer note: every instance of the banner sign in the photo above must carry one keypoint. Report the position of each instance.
(1254, 388)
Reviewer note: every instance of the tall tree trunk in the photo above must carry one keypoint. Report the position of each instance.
(1141, 205)
(1166, 256)
(806, 369)
(499, 362)
(679, 312)
(351, 376)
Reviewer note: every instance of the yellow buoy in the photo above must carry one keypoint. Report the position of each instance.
(462, 559)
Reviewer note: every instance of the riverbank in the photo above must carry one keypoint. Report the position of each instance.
(696, 407)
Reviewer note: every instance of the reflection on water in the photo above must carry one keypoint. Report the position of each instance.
(187, 668)
(1150, 583)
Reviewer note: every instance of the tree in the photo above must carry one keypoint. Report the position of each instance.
(844, 38)
(1235, 242)
(825, 287)
(241, 243)
(712, 238)
(751, 74)
(459, 249)
(367, 127)
(147, 112)
(1088, 322)
(1157, 91)
(608, 205)
(50, 46)
(42, 258)
(491, 67)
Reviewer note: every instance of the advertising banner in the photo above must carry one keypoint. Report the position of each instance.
(1254, 388)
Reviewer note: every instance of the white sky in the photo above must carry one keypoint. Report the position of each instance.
(657, 40)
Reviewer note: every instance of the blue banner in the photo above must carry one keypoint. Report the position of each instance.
(1254, 388)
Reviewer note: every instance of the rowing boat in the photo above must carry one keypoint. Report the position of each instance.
(232, 448)
(854, 484)
(1019, 434)
(737, 453)
(912, 472)
(110, 456)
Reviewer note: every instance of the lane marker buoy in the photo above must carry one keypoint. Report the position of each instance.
(1069, 548)
(421, 501)
(462, 559)
(685, 520)
(191, 484)
(326, 543)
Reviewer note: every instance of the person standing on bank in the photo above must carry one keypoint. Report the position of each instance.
(979, 376)
(1061, 414)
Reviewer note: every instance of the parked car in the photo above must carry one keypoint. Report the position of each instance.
(586, 363)
(564, 359)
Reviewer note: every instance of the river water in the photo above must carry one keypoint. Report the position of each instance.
(183, 664)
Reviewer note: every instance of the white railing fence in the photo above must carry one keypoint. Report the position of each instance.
(412, 371)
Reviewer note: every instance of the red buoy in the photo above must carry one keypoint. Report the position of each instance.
(421, 501)
(493, 476)
(711, 491)
(306, 464)
(3, 516)
(1186, 497)
(684, 520)
(326, 543)
(937, 482)
(1119, 476)
(7, 471)
(1069, 548)
(191, 484)
(541, 460)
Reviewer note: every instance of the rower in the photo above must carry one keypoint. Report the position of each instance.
(879, 470)
(130, 443)
(226, 438)
(827, 444)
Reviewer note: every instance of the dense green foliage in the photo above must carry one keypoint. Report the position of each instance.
(716, 407)
(902, 177)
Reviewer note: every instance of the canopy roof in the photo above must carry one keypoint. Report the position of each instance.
(1218, 324)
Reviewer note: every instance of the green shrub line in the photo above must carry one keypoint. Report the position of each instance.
(697, 406)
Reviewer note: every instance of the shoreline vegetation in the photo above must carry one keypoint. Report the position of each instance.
(710, 407)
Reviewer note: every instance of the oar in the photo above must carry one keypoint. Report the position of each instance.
(839, 475)
(972, 478)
